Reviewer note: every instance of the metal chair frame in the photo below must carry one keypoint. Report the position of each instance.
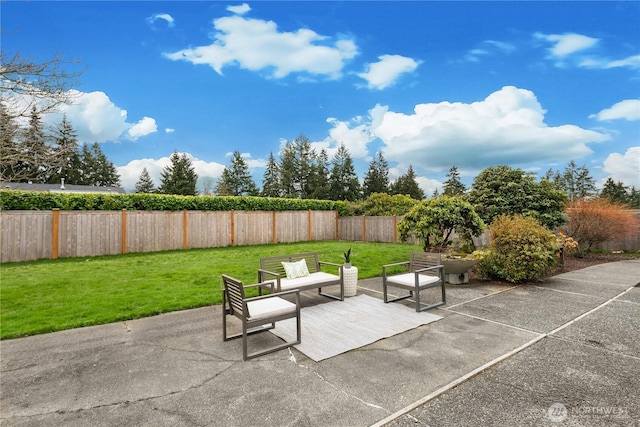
(234, 302)
(421, 263)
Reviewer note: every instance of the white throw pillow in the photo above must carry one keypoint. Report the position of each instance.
(296, 269)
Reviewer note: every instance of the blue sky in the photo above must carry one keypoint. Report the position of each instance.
(430, 84)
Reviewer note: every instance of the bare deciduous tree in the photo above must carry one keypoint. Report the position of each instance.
(25, 83)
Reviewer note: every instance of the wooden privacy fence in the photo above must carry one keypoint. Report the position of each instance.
(30, 235)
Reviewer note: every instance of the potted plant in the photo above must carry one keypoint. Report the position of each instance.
(347, 258)
(349, 276)
(435, 223)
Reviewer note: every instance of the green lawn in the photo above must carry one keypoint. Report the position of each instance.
(51, 295)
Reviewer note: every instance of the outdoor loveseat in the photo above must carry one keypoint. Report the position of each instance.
(300, 271)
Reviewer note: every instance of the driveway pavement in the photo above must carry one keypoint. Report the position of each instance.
(563, 352)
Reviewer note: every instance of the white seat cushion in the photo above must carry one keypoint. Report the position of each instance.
(306, 281)
(408, 280)
(268, 307)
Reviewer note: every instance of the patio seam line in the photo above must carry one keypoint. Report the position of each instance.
(481, 297)
(489, 364)
(563, 291)
(575, 341)
(493, 321)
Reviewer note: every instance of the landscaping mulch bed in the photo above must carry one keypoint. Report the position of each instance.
(571, 263)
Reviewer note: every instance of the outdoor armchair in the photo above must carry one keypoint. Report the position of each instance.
(424, 272)
(255, 312)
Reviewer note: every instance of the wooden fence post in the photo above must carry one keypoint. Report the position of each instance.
(55, 238)
(274, 231)
(337, 226)
(233, 228)
(185, 231)
(364, 228)
(124, 231)
(309, 226)
(395, 229)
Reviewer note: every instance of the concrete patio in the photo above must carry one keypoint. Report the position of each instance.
(564, 352)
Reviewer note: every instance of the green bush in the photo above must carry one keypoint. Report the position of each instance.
(434, 222)
(521, 249)
(42, 200)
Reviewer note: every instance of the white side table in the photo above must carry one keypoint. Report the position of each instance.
(350, 278)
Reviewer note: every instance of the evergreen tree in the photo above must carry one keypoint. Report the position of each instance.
(344, 181)
(103, 173)
(453, 186)
(87, 166)
(502, 190)
(407, 185)
(179, 177)
(377, 178)
(576, 182)
(236, 180)
(296, 168)
(145, 183)
(271, 179)
(66, 148)
(615, 192)
(319, 185)
(36, 154)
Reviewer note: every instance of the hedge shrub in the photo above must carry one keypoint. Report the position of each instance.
(41, 200)
(521, 249)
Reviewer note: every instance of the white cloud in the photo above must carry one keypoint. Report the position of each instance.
(429, 186)
(505, 128)
(474, 54)
(354, 134)
(239, 10)
(384, 73)
(151, 20)
(169, 130)
(144, 127)
(629, 109)
(130, 173)
(624, 167)
(566, 44)
(251, 162)
(257, 45)
(95, 118)
(632, 62)
(489, 47)
(603, 63)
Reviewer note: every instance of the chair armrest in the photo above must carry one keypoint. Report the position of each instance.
(261, 285)
(276, 294)
(329, 263)
(262, 273)
(395, 264)
(429, 268)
